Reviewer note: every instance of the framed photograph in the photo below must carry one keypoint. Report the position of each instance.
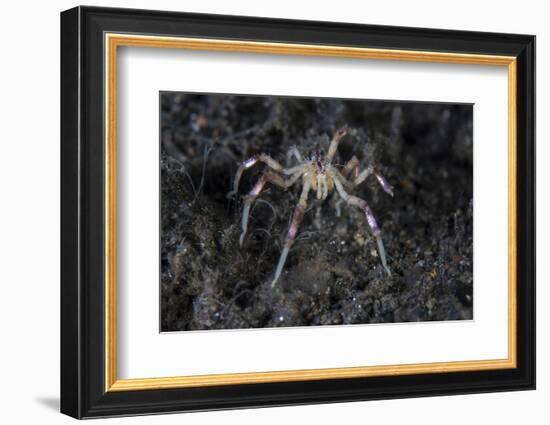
(261, 212)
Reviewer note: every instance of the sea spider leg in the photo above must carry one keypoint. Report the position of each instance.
(245, 165)
(267, 176)
(359, 177)
(362, 204)
(294, 152)
(388, 188)
(351, 165)
(297, 217)
(338, 175)
(333, 147)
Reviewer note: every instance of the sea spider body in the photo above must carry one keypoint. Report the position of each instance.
(319, 175)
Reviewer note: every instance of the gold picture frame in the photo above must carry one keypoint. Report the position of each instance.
(114, 41)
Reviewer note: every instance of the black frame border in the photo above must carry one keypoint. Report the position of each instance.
(82, 212)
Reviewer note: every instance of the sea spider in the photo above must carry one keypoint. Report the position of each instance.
(317, 174)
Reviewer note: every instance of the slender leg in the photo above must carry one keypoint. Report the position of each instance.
(297, 217)
(362, 204)
(352, 165)
(293, 152)
(270, 162)
(293, 170)
(267, 176)
(248, 200)
(339, 135)
(245, 165)
(337, 175)
(388, 188)
(362, 176)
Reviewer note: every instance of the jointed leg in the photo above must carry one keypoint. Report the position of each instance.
(334, 143)
(245, 165)
(362, 176)
(293, 170)
(351, 166)
(359, 177)
(297, 217)
(267, 176)
(388, 188)
(362, 204)
(293, 152)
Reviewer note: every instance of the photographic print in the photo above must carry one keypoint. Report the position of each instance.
(289, 211)
(272, 216)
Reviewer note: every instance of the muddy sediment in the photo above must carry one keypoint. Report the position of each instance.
(333, 274)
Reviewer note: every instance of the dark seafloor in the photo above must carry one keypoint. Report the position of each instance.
(332, 275)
